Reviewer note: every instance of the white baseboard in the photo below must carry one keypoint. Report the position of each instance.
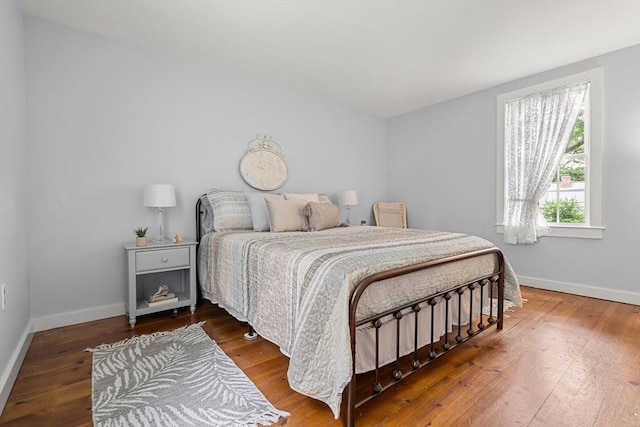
(80, 316)
(42, 324)
(11, 372)
(582, 290)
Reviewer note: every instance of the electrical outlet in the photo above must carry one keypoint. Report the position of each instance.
(3, 292)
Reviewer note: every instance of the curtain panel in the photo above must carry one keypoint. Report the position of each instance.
(537, 130)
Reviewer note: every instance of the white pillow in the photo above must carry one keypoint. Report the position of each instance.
(287, 215)
(308, 197)
(323, 198)
(258, 207)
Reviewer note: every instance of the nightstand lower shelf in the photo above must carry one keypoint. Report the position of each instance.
(142, 306)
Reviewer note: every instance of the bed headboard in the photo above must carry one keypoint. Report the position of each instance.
(199, 216)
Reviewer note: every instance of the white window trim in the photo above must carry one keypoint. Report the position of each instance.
(593, 192)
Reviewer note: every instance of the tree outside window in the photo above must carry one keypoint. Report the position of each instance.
(566, 198)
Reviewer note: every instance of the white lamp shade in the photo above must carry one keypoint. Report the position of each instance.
(159, 195)
(349, 198)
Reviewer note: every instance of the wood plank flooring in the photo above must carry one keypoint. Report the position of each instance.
(561, 360)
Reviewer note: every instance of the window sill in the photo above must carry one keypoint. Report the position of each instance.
(576, 231)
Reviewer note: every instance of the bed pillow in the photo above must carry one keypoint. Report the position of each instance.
(322, 215)
(230, 210)
(308, 197)
(287, 215)
(258, 208)
(323, 198)
(206, 215)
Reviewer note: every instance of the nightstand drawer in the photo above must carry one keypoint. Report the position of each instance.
(158, 260)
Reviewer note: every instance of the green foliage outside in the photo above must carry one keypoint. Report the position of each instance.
(574, 146)
(570, 211)
(576, 142)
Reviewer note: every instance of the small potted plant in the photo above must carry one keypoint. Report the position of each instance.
(141, 233)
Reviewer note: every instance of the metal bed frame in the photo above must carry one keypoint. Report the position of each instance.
(492, 283)
(438, 347)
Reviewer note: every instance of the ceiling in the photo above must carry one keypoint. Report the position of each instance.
(381, 57)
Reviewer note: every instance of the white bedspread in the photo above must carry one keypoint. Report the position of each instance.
(294, 288)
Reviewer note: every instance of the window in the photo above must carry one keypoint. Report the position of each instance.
(572, 202)
(565, 201)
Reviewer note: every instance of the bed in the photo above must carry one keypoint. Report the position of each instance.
(339, 301)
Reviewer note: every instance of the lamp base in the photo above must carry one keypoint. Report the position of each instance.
(160, 240)
(160, 237)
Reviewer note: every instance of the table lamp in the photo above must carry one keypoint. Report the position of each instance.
(349, 198)
(159, 196)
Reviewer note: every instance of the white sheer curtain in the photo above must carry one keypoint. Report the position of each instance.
(537, 130)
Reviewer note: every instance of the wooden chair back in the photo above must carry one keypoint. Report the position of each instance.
(392, 214)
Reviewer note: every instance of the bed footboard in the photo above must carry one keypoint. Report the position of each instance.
(463, 330)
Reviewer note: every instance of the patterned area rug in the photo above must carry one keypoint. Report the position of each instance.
(176, 378)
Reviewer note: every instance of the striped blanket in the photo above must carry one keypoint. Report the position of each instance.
(294, 288)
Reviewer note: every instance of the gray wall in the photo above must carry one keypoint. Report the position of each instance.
(14, 227)
(105, 118)
(448, 152)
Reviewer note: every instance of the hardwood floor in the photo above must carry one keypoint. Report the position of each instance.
(561, 360)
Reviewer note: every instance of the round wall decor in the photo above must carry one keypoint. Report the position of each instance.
(263, 166)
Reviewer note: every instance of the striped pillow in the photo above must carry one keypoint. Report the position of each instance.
(230, 210)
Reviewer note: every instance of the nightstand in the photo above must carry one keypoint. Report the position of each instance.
(171, 264)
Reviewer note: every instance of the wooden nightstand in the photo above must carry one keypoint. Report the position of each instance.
(171, 264)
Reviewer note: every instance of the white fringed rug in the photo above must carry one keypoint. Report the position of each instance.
(175, 378)
(508, 305)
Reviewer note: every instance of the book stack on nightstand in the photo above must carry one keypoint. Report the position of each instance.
(162, 296)
(161, 276)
